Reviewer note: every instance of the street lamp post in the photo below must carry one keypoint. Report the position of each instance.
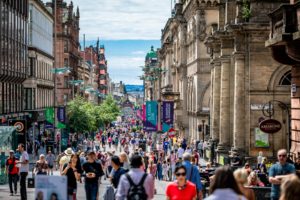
(203, 122)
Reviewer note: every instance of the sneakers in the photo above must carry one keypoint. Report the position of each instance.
(11, 194)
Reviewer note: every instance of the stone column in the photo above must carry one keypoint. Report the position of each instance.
(225, 103)
(216, 101)
(239, 102)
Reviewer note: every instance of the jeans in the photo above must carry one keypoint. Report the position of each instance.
(13, 179)
(91, 190)
(23, 176)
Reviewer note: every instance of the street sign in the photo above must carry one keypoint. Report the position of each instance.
(270, 126)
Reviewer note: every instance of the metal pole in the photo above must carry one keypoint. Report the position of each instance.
(54, 77)
(203, 121)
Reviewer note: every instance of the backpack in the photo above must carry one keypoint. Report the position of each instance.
(136, 192)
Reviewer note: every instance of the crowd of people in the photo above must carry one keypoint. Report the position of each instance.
(131, 160)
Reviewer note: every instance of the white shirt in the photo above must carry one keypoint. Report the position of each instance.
(23, 158)
(180, 152)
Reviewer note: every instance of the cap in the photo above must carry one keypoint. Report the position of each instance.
(11, 151)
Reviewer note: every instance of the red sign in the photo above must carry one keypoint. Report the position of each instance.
(270, 126)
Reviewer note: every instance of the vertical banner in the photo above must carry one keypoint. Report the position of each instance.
(144, 112)
(167, 118)
(61, 114)
(151, 116)
(49, 115)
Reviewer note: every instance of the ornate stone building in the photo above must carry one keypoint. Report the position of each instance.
(67, 52)
(245, 78)
(185, 61)
(284, 44)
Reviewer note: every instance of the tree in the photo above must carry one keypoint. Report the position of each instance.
(86, 117)
(80, 116)
(108, 110)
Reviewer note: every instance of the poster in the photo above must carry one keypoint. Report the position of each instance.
(151, 116)
(261, 138)
(167, 113)
(50, 187)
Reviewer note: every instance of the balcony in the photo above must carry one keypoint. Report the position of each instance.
(284, 38)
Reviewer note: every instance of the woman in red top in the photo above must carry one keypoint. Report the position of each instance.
(181, 189)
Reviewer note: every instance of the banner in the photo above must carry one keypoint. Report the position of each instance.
(261, 138)
(144, 112)
(167, 113)
(151, 116)
(61, 114)
(49, 113)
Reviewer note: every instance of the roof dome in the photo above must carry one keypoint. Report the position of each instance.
(151, 54)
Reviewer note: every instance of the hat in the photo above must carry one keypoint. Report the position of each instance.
(69, 151)
(11, 151)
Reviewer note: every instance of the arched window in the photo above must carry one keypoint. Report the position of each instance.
(286, 79)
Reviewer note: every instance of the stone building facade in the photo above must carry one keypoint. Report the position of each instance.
(221, 77)
(244, 79)
(284, 45)
(185, 61)
(67, 53)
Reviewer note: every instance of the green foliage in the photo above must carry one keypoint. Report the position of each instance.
(87, 117)
(246, 11)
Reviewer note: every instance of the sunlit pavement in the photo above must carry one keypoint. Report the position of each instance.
(5, 194)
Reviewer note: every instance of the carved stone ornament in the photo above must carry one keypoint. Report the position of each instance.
(202, 26)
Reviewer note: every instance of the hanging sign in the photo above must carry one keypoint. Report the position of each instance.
(151, 116)
(270, 126)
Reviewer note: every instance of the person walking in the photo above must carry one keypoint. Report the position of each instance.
(70, 170)
(192, 172)
(117, 171)
(136, 184)
(50, 158)
(93, 171)
(278, 172)
(181, 188)
(12, 171)
(41, 166)
(23, 170)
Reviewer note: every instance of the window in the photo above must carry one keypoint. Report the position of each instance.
(31, 67)
(66, 46)
(286, 79)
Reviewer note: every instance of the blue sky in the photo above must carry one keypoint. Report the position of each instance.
(124, 58)
(127, 28)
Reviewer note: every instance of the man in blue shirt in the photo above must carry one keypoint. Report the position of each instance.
(192, 173)
(278, 171)
(166, 145)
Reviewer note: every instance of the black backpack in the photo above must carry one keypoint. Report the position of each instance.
(136, 192)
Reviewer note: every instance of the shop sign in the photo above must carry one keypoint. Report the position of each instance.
(270, 126)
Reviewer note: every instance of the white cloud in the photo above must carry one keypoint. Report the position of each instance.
(138, 53)
(123, 19)
(125, 68)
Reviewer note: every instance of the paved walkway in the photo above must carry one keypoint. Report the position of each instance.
(159, 185)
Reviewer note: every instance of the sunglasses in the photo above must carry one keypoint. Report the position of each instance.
(282, 156)
(180, 174)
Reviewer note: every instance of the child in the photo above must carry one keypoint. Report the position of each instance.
(165, 167)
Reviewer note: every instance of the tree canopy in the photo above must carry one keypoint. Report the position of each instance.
(87, 117)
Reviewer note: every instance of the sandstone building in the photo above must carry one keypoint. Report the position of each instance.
(221, 76)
